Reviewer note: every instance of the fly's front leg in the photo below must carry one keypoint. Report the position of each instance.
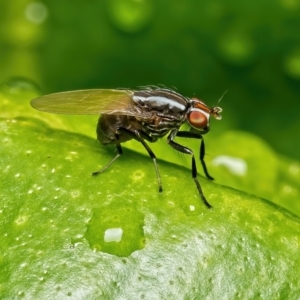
(193, 135)
(120, 152)
(140, 136)
(186, 150)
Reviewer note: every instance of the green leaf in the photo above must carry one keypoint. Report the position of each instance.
(67, 235)
(54, 217)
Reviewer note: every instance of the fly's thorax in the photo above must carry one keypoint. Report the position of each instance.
(161, 100)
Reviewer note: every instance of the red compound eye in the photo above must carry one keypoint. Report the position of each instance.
(197, 119)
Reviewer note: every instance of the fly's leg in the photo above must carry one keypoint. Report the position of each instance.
(120, 152)
(186, 150)
(140, 136)
(193, 135)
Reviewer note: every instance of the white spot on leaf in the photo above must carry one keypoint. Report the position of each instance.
(235, 165)
(113, 235)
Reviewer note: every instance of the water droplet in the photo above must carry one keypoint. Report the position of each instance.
(130, 16)
(116, 229)
(17, 175)
(36, 12)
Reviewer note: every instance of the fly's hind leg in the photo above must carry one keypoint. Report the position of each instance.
(120, 152)
(140, 136)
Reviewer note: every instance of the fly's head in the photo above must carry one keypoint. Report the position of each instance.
(199, 115)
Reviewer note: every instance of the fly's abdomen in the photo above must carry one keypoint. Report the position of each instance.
(105, 130)
(108, 125)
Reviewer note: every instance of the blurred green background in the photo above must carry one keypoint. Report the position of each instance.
(203, 48)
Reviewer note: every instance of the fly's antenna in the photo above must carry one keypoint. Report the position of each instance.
(222, 96)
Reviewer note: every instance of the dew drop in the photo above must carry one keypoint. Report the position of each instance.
(116, 229)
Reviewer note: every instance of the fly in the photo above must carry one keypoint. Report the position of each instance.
(144, 115)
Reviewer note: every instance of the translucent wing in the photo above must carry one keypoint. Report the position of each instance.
(88, 102)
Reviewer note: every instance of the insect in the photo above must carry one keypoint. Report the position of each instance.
(144, 115)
